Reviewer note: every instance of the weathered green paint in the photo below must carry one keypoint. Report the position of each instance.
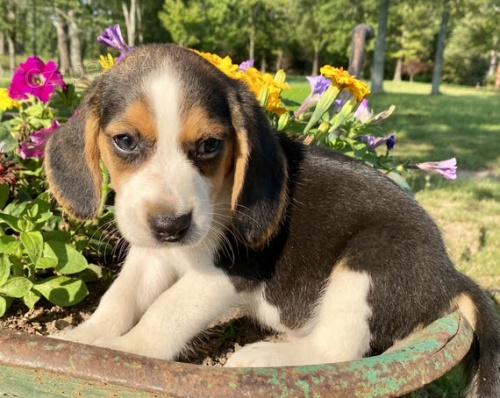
(36, 367)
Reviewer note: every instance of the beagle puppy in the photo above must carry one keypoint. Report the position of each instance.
(223, 214)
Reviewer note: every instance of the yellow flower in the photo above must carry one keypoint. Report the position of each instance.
(6, 102)
(257, 81)
(224, 64)
(359, 89)
(107, 62)
(343, 80)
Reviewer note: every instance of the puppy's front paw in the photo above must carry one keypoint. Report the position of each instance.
(84, 334)
(261, 354)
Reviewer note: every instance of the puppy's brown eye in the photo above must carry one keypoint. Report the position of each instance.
(125, 142)
(209, 148)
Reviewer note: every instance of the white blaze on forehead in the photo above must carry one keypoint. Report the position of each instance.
(165, 101)
(169, 163)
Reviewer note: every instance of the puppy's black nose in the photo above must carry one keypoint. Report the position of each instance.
(169, 228)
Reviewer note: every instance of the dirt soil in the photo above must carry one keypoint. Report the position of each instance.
(211, 348)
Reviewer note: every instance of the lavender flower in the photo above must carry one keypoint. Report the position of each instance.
(447, 168)
(373, 142)
(246, 64)
(112, 37)
(319, 84)
(363, 113)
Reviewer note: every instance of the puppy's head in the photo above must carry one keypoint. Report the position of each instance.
(189, 152)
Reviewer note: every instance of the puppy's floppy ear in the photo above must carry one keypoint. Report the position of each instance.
(72, 160)
(259, 194)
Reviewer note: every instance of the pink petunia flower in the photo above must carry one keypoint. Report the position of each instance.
(36, 78)
(36, 148)
(447, 168)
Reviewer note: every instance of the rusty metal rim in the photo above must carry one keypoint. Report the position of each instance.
(48, 367)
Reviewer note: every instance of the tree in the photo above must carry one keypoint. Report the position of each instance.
(379, 54)
(438, 59)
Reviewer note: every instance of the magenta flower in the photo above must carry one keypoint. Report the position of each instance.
(112, 37)
(36, 78)
(246, 64)
(319, 84)
(363, 113)
(36, 148)
(373, 142)
(447, 168)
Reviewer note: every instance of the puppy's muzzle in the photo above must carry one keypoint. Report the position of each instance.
(168, 228)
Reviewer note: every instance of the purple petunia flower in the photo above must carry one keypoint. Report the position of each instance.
(447, 168)
(246, 64)
(363, 113)
(319, 84)
(36, 148)
(36, 78)
(112, 37)
(374, 142)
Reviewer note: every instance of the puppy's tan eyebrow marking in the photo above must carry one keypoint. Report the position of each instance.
(138, 117)
(196, 125)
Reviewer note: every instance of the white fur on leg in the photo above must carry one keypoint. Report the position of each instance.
(140, 282)
(195, 301)
(341, 332)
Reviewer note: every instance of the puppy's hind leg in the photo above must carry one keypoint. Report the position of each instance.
(341, 331)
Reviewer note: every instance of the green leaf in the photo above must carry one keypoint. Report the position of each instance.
(33, 243)
(46, 262)
(11, 221)
(31, 298)
(5, 265)
(62, 290)
(3, 306)
(16, 287)
(8, 244)
(69, 260)
(323, 105)
(7, 142)
(4, 195)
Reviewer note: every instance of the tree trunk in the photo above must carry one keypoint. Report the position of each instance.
(75, 44)
(62, 43)
(129, 16)
(12, 52)
(493, 63)
(140, 34)
(497, 80)
(279, 59)
(360, 34)
(438, 59)
(399, 70)
(11, 35)
(2, 43)
(315, 66)
(263, 64)
(379, 54)
(254, 12)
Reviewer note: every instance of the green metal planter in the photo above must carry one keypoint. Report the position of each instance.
(33, 366)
